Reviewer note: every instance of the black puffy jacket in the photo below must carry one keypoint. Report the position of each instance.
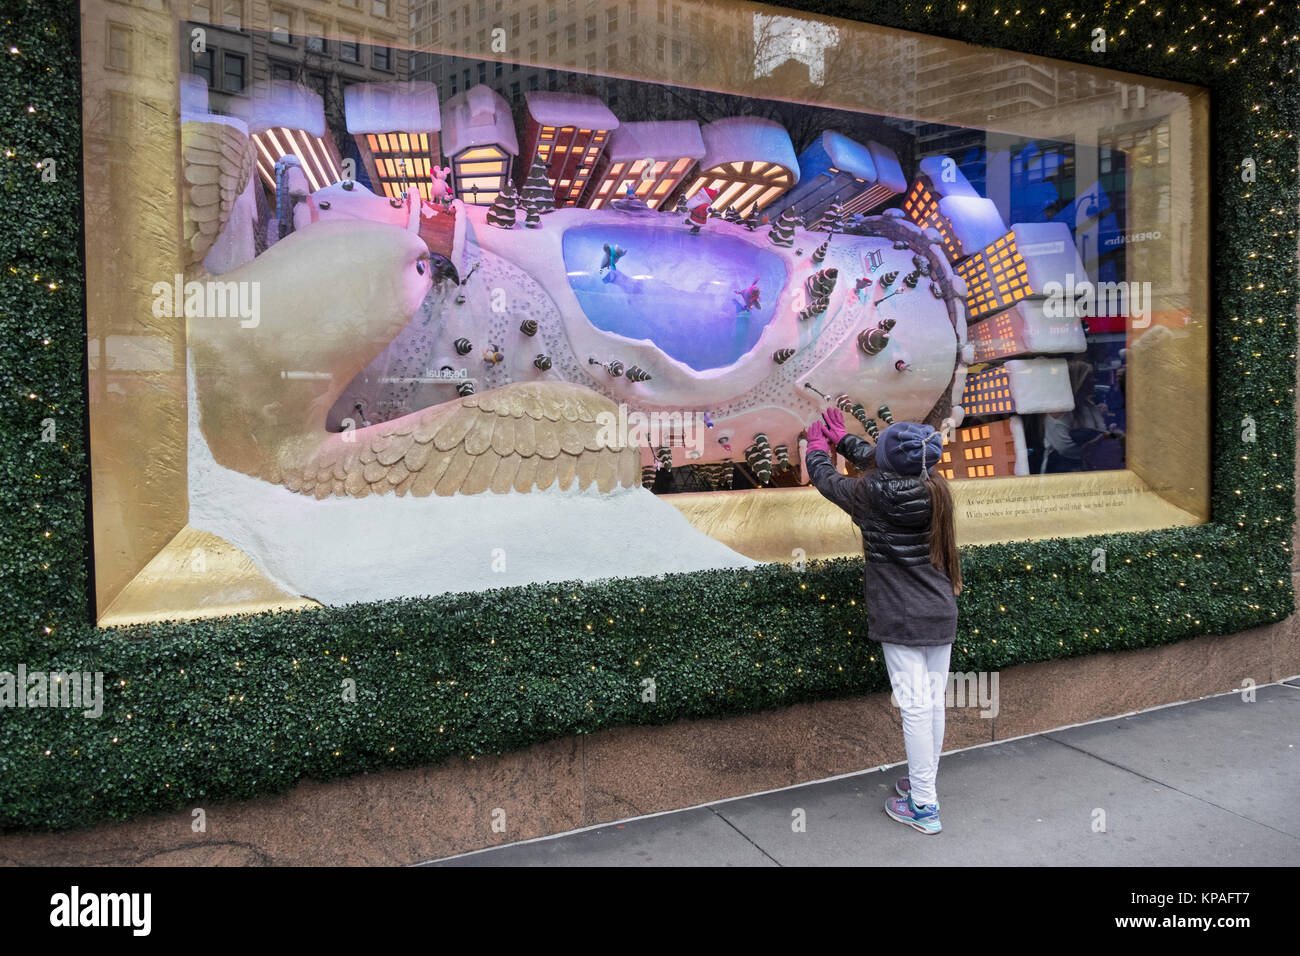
(909, 600)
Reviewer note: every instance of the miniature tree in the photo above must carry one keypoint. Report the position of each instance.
(753, 220)
(502, 212)
(533, 217)
(832, 219)
(759, 458)
(782, 231)
(537, 188)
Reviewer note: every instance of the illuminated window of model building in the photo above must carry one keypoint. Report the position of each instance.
(923, 209)
(480, 173)
(996, 277)
(570, 153)
(744, 184)
(402, 161)
(995, 337)
(988, 393)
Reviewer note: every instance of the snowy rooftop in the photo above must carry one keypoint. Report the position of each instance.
(391, 108)
(1049, 253)
(1039, 385)
(975, 221)
(569, 109)
(888, 171)
(282, 103)
(743, 139)
(932, 167)
(666, 139)
(477, 117)
(849, 155)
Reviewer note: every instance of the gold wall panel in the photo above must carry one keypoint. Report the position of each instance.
(197, 575)
(769, 525)
(130, 112)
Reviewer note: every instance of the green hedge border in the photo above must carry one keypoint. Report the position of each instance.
(222, 709)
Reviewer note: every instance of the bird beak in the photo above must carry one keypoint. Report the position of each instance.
(443, 268)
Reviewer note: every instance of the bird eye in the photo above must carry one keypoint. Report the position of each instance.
(419, 266)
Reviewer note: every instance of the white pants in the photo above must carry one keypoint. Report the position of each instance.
(919, 676)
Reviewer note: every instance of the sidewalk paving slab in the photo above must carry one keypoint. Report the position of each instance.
(1241, 756)
(696, 837)
(1171, 783)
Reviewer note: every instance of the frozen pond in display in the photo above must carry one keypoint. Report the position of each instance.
(680, 291)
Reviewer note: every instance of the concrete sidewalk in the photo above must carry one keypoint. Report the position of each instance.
(1214, 782)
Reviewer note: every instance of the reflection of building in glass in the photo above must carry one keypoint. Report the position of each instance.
(653, 157)
(286, 118)
(1024, 329)
(748, 160)
(396, 129)
(249, 44)
(568, 131)
(480, 144)
(779, 39)
(980, 451)
(836, 167)
(1018, 265)
(942, 198)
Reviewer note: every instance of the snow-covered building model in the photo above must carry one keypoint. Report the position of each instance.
(396, 129)
(478, 139)
(670, 149)
(1020, 387)
(860, 176)
(286, 118)
(750, 162)
(568, 132)
(1024, 329)
(943, 198)
(983, 451)
(1018, 266)
(988, 392)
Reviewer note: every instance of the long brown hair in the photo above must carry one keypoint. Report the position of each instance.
(943, 534)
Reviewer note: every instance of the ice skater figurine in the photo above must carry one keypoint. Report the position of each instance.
(697, 208)
(609, 262)
(860, 288)
(749, 297)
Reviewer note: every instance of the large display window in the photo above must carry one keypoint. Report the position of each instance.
(401, 302)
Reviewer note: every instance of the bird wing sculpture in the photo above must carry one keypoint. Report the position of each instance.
(331, 297)
(218, 160)
(525, 436)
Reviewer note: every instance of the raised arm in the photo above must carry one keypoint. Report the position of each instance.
(833, 486)
(857, 450)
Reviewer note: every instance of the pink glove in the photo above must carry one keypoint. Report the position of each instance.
(817, 440)
(835, 430)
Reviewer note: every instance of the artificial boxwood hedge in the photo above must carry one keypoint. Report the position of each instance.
(219, 709)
